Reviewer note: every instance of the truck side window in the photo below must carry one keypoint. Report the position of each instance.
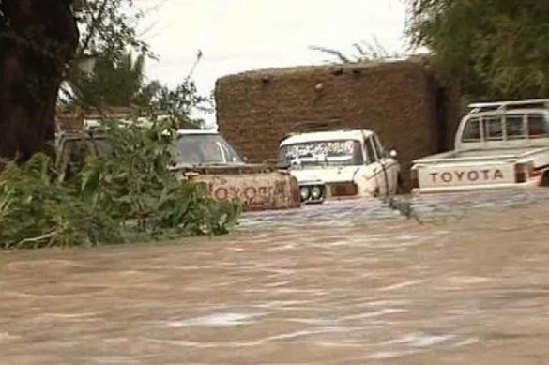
(471, 132)
(493, 129)
(370, 154)
(514, 124)
(538, 126)
(358, 156)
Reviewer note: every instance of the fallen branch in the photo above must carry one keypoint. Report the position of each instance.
(35, 239)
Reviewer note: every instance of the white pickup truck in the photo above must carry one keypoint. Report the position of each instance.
(497, 145)
(338, 164)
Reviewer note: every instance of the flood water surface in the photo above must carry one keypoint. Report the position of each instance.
(473, 289)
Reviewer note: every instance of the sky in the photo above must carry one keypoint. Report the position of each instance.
(240, 35)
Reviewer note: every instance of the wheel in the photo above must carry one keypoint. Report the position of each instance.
(545, 179)
(400, 185)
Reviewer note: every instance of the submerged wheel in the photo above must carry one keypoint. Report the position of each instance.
(400, 185)
(545, 179)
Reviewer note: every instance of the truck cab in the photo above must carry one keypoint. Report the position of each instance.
(341, 163)
(497, 145)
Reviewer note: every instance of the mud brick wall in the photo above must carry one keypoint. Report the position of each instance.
(402, 101)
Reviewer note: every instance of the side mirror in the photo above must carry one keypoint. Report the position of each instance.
(393, 154)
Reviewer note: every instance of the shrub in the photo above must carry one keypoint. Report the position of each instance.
(125, 193)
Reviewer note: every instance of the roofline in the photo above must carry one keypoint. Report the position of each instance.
(412, 61)
(92, 132)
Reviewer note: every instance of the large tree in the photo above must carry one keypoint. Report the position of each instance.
(37, 40)
(40, 40)
(496, 48)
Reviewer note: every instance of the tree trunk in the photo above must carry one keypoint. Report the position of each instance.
(37, 39)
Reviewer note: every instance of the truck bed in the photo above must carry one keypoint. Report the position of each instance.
(483, 154)
(477, 168)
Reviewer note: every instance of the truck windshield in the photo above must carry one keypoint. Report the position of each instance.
(73, 152)
(205, 149)
(77, 149)
(332, 153)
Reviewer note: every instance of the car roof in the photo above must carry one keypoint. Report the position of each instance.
(326, 136)
(183, 132)
(510, 107)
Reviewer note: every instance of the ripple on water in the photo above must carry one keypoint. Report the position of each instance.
(6, 337)
(220, 319)
(114, 360)
(417, 342)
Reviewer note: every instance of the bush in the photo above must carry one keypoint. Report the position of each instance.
(123, 194)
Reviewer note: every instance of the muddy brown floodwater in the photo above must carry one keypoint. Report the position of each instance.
(348, 282)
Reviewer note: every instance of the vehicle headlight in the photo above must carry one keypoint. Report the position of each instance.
(304, 192)
(316, 192)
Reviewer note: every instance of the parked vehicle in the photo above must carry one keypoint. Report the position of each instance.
(72, 147)
(498, 145)
(203, 156)
(342, 163)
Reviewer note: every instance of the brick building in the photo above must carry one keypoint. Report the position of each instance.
(401, 100)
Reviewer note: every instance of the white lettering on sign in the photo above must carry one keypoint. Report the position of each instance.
(469, 176)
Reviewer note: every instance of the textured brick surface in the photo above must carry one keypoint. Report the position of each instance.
(256, 109)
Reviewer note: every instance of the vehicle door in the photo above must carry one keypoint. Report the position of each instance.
(388, 164)
(376, 167)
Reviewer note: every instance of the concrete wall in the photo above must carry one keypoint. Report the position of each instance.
(399, 100)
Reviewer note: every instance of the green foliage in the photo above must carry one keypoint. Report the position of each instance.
(179, 102)
(119, 81)
(496, 48)
(37, 211)
(108, 36)
(116, 81)
(127, 192)
(107, 27)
